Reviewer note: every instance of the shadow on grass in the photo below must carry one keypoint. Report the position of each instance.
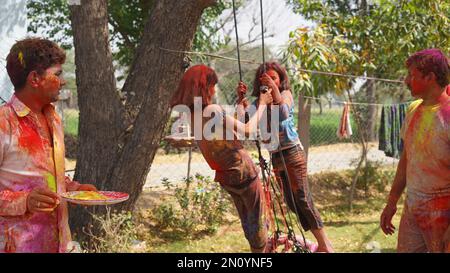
(348, 222)
(342, 209)
(171, 235)
(369, 237)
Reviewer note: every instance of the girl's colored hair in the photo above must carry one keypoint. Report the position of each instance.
(197, 81)
(432, 60)
(284, 79)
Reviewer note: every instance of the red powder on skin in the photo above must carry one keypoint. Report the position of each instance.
(50, 83)
(29, 138)
(417, 87)
(275, 77)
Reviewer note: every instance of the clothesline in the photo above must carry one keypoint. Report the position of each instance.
(296, 69)
(355, 103)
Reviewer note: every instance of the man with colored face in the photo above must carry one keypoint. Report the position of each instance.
(424, 167)
(33, 217)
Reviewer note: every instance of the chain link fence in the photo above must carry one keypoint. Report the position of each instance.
(327, 152)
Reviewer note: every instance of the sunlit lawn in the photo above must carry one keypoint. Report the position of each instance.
(348, 231)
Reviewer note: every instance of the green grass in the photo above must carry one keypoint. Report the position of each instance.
(322, 131)
(324, 126)
(71, 122)
(349, 231)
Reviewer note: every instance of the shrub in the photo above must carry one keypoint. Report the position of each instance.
(118, 233)
(374, 177)
(197, 206)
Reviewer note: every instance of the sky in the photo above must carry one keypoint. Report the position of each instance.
(279, 19)
(11, 29)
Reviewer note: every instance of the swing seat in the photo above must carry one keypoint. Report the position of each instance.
(283, 244)
(180, 141)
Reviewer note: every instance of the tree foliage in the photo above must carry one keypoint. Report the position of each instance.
(126, 20)
(382, 33)
(319, 50)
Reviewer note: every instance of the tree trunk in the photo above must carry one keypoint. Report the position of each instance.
(371, 115)
(362, 138)
(118, 142)
(304, 121)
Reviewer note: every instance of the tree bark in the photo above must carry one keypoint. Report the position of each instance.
(371, 115)
(304, 122)
(118, 142)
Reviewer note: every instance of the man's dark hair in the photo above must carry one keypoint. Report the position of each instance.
(432, 60)
(32, 54)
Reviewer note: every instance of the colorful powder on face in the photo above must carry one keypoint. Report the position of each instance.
(50, 83)
(275, 77)
(417, 88)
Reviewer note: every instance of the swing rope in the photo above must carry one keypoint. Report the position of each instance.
(262, 35)
(268, 182)
(237, 41)
(291, 233)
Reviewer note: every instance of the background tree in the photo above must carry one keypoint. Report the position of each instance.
(321, 51)
(382, 33)
(118, 139)
(126, 21)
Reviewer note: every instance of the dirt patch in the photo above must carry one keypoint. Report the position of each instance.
(151, 197)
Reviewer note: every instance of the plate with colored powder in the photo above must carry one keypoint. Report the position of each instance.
(92, 198)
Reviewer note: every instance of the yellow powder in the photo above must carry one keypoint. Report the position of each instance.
(89, 195)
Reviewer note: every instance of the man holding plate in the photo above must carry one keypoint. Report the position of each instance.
(33, 217)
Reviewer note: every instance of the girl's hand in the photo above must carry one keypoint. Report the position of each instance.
(265, 98)
(241, 90)
(266, 80)
(87, 187)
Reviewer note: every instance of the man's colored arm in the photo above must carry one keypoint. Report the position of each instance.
(71, 185)
(399, 184)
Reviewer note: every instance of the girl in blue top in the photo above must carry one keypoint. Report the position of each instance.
(297, 194)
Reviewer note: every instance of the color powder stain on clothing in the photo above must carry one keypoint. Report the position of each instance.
(422, 123)
(51, 181)
(10, 196)
(29, 138)
(430, 214)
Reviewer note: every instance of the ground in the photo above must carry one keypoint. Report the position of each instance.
(348, 231)
(322, 158)
(356, 231)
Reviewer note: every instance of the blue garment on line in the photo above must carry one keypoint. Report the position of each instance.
(392, 118)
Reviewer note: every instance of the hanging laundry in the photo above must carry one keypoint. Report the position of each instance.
(345, 128)
(392, 117)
